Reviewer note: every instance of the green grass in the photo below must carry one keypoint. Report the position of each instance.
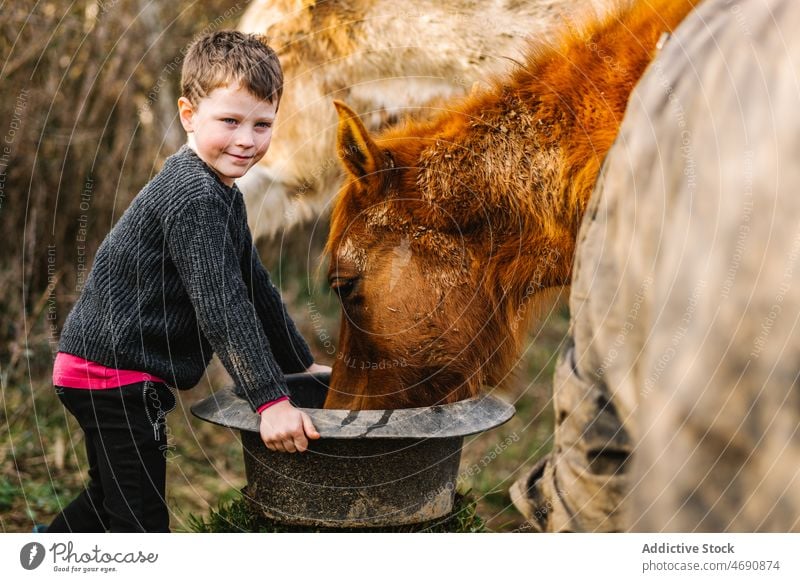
(236, 515)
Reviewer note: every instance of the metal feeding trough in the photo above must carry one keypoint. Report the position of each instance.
(369, 468)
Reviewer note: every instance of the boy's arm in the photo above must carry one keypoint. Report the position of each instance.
(205, 257)
(289, 347)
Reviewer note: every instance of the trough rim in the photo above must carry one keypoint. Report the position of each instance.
(459, 419)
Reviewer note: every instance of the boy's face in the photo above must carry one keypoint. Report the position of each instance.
(230, 129)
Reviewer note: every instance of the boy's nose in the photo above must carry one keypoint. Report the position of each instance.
(244, 138)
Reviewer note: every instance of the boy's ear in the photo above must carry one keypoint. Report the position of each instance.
(186, 113)
(357, 150)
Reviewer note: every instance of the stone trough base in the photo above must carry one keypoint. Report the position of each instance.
(371, 468)
(335, 483)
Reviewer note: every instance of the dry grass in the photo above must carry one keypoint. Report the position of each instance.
(87, 115)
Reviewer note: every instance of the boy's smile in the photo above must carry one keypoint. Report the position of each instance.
(230, 129)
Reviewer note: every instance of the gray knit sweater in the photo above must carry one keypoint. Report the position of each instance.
(178, 279)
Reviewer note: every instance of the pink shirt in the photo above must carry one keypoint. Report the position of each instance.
(266, 405)
(73, 372)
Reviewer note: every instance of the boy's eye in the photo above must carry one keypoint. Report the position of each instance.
(229, 120)
(264, 124)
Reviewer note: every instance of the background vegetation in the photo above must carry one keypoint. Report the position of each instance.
(87, 116)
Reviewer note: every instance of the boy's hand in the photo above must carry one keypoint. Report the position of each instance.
(284, 428)
(317, 368)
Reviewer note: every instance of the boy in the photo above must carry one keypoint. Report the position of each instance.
(175, 280)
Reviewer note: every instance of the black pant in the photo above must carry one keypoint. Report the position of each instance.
(126, 444)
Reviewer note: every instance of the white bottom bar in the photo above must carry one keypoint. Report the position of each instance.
(381, 557)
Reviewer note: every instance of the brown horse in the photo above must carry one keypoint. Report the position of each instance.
(449, 231)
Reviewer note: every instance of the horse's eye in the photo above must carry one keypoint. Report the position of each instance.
(343, 286)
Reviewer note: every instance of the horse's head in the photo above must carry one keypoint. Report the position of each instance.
(420, 315)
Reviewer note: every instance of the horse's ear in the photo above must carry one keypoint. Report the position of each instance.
(359, 153)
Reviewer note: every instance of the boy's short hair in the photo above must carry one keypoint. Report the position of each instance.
(228, 57)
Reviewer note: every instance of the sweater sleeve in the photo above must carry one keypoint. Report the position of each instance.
(205, 256)
(290, 348)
